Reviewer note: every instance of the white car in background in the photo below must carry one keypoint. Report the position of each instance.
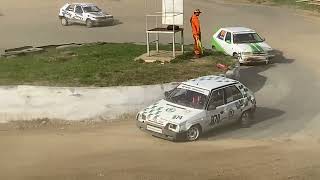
(84, 13)
(197, 106)
(242, 43)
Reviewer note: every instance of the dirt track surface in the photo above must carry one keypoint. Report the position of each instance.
(120, 151)
(282, 144)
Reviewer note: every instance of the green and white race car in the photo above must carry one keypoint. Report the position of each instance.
(242, 43)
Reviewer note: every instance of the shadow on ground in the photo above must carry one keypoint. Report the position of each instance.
(251, 77)
(114, 23)
(232, 130)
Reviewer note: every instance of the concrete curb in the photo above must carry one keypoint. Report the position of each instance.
(233, 73)
(80, 103)
(76, 103)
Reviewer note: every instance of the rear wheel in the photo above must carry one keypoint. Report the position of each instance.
(214, 48)
(194, 133)
(64, 21)
(89, 23)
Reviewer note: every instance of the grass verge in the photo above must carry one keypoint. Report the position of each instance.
(109, 64)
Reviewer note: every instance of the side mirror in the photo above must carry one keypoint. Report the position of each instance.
(263, 39)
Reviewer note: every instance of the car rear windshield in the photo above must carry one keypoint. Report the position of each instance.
(188, 98)
(246, 38)
(91, 9)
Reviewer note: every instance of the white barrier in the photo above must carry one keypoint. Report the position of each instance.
(35, 102)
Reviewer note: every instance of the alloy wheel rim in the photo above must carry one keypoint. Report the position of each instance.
(193, 133)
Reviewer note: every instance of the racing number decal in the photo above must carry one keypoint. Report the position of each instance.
(177, 117)
(215, 119)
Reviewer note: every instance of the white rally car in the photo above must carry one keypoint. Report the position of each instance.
(84, 13)
(242, 43)
(197, 106)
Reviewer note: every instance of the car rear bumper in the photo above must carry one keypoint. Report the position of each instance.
(166, 134)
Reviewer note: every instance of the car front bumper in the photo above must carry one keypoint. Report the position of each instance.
(103, 21)
(255, 58)
(166, 133)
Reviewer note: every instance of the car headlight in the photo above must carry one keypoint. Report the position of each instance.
(144, 117)
(246, 53)
(272, 52)
(173, 127)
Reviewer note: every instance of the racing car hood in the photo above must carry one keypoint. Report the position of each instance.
(164, 112)
(261, 47)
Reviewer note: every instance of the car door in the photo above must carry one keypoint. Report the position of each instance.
(222, 37)
(78, 16)
(216, 109)
(228, 44)
(234, 101)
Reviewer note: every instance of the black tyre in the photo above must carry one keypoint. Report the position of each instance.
(214, 48)
(245, 119)
(89, 23)
(64, 21)
(194, 133)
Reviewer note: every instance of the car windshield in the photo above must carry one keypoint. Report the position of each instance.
(246, 38)
(188, 98)
(89, 9)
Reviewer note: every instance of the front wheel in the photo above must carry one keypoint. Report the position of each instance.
(64, 21)
(245, 119)
(89, 23)
(236, 56)
(193, 133)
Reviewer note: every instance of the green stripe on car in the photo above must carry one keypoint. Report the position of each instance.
(254, 48)
(259, 47)
(217, 46)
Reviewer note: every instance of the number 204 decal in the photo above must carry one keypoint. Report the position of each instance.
(215, 119)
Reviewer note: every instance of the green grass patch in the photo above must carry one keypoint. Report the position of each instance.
(109, 64)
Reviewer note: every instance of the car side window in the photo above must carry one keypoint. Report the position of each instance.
(217, 99)
(79, 10)
(221, 35)
(228, 38)
(232, 93)
(70, 8)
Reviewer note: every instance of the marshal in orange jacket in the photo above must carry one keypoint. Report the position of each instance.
(195, 25)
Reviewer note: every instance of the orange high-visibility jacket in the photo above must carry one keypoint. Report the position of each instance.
(195, 24)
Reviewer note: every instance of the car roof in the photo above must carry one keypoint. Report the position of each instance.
(84, 4)
(210, 82)
(238, 29)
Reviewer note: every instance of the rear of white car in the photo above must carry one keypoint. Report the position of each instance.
(197, 106)
(84, 13)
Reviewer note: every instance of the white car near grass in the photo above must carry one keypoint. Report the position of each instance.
(84, 13)
(242, 43)
(197, 106)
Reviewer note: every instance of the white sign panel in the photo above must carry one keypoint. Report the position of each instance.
(172, 12)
